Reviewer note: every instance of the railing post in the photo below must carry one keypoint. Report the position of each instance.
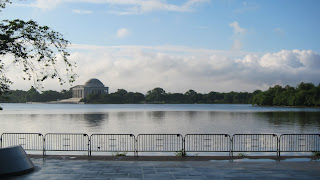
(279, 146)
(231, 147)
(89, 146)
(44, 146)
(183, 146)
(135, 146)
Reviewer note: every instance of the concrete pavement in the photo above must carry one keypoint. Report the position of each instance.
(70, 168)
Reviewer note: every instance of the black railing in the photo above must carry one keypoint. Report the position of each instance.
(255, 143)
(159, 143)
(163, 142)
(66, 142)
(207, 143)
(29, 141)
(112, 143)
(299, 143)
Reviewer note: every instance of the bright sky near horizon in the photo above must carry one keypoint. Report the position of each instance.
(204, 45)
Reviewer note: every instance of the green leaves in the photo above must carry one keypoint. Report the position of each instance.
(36, 49)
(306, 94)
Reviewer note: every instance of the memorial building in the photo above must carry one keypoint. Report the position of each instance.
(90, 87)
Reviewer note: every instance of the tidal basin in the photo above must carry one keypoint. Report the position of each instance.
(154, 118)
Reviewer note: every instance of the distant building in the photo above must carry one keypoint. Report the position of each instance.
(90, 87)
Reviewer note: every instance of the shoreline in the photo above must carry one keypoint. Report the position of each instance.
(62, 102)
(314, 107)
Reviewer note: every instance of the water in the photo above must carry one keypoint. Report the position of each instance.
(148, 118)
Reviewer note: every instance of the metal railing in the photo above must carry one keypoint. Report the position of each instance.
(67, 142)
(159, 143)
(207, 143)
(299, 143)
(163, 142)
(112, 143)
(255, 143)
(29, 141)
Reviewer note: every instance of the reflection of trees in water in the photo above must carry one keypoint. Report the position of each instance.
(157, 115)
(121, 115)
(92, 120)
(95, 119)
(290, 118)
(124, 116)
(191, 115)
(220, 116)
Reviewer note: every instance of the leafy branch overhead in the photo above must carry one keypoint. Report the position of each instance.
(37, 49)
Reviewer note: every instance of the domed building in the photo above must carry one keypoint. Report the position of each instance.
(90, 87)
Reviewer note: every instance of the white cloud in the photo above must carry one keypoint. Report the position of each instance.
(126, 6)
(238, 34)
(46, 4)
(178, 69)
(78, 11)
(236, 28)
(122, 33)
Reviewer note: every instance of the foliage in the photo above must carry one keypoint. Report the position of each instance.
(119, 97)
(242, 154)
(32, 95)
(316, 153)
(119, 153)
(305, 94)
(158, 95)
(37, 49)
(181, 153)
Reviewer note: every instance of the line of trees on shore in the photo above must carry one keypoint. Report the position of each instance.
(305, 94)
(158, 95)
(32, 95)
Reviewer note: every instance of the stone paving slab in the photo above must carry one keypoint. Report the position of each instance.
(51, 169)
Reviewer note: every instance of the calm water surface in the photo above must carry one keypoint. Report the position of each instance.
(148, 118)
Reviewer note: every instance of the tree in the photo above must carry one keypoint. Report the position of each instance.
(36, 49)
(156, 95)
(32, 95)
(192, 96)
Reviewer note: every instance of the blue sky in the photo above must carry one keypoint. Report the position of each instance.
(205, 45)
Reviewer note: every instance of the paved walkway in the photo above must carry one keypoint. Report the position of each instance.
(214, 169)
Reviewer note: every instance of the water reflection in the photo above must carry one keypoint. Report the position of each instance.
(100, 119)
(92, 120)
(157, 115)
(95, 120)
(289, 118)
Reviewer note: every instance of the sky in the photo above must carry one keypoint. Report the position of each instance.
(178, 45)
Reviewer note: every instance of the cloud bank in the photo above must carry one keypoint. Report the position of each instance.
(178, 69)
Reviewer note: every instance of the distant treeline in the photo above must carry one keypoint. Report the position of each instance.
(32, 95)
(158, 95)
(305, 94)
